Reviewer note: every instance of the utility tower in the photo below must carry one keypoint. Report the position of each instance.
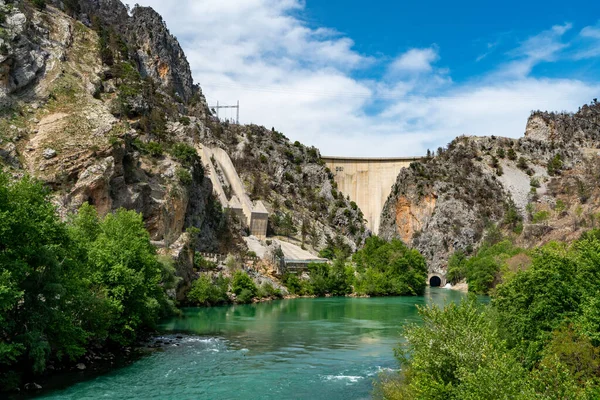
(237, 107)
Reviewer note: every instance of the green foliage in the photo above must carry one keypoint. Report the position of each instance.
(457, 353)
(522, 163)
(457, 270)
(482, 270)
(202, 263)
(184, 153)
(389, 269)
(512, 216)
(333, 279)
(512, 155)
(500, 153)
(208, 292)
(244, 287)
(560, 206)
(534, 182)
(63, 286)
(540, 216)
(554, 165)
(538, 339)
(267, 290)
(124, 265)
(184, 176)
(295, 285)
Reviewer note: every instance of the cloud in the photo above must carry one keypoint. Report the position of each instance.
(543, 47)
(415, 61)
(309, 82)
(590, 37)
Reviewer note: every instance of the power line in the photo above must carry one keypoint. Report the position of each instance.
(237, 107)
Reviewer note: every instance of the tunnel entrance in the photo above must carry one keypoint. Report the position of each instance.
(435, 281)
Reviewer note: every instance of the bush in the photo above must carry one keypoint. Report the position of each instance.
(184, 176)
(184, 153)
(389, 269)
(66, 285)
(512, 155)
(202, 263)
(245, 297)
(242, 282)
(267, 290)
(534, 182)
(522, 163)
(540, 216)
(295, 285)
(554, 165)
(206, 292)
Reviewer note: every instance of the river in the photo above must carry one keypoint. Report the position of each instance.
(325, 348)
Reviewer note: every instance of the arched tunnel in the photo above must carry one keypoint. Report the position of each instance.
(435, 281)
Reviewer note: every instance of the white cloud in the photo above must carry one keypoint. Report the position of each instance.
(302, 81)
(590, 35)
(543, 47)
(415, 60)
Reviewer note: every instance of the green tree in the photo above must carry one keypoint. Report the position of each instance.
(208, 292)
(389, 269)
(244, 287)
(125, 269)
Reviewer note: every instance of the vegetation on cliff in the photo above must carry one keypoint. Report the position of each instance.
(67, 286)
(538, 339)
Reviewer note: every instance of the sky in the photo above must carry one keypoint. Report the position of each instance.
(389, 78)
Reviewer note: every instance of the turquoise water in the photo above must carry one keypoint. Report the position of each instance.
(327, 348)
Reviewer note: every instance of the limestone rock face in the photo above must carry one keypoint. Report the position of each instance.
(444, 204)
(160, 54)
(30, 45)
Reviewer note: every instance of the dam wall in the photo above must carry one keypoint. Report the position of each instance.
(367, 181)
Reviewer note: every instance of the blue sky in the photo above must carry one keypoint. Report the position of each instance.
(384, 78)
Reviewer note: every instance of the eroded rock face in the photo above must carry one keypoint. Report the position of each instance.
(411, 216)
(444, 204)
(160, 54)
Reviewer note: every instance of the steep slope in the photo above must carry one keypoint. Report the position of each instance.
(538, 188)
(99, 103)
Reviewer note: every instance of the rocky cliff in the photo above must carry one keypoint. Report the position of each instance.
(98, 101)
(541, 187)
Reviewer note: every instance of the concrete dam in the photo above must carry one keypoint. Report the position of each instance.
(367, 181)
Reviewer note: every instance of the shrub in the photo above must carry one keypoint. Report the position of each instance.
(522, 163)
(540, 216)
(206, 292)
(295, 285)
(202, 263)
(389, 269)
(184, 176)
(512, 155)
(245, 297)
(184, 153)
(267, 290)
(500, 153)
(534, 182)
(242, 282)
(554, 165)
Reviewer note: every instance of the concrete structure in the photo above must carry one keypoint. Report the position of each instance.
(255, 215)
(436, 280)
(368, 182)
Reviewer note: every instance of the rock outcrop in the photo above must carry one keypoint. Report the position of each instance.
(541, 187)
(98, 102)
